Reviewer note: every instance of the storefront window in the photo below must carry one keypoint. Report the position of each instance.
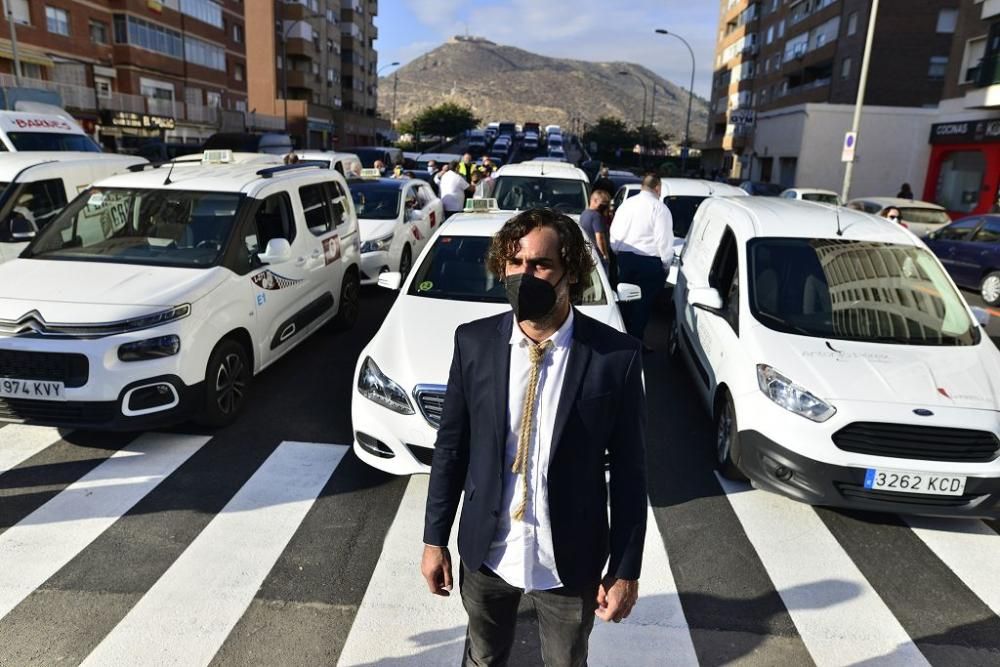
(960, 180)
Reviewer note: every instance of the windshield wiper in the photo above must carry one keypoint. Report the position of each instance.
(786, 324)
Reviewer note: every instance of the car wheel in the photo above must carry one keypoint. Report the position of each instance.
(350, 302)
(673, 339)
(227, 380)
(727, 439)
(989, 288)
(405, 262)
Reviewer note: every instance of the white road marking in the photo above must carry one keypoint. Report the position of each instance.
(43, 542)
(185, 617)
(840, 617)
(969, 549)
(19, 443)
(398, 617)
(656, 632)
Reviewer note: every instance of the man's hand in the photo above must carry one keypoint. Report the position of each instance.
(615, 598)
(436, 568)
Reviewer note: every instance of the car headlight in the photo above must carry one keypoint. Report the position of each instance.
(376, 386)
(153, 348)
(376, 245)
(791, 396)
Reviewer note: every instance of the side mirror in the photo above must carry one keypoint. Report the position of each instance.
(982, 315)
(390, 280)
(22, 229)
(413, 214)
(626, 292)
(278, 251)
(705, 298)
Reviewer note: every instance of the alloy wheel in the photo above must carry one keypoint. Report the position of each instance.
(230, 383)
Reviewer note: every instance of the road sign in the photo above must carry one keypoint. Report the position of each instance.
(850, 143)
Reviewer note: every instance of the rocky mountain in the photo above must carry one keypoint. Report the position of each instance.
(506, 83)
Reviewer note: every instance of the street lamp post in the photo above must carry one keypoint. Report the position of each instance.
(13, 43)
(687, 122)
(642, 127)
(860, 100)
(395, 85)
(375, 117)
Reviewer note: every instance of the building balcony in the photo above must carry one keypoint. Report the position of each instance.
(302, 48)
(298, 79)
(292, 10)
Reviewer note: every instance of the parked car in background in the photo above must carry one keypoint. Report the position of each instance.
(440, 159)
(272, 143)
(970, 249)
(813, 194)
(348, 164)
(368, 154)
(920, 217)
(530, 141)
(761, 189)
(477, 142)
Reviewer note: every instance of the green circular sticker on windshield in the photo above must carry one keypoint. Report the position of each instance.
(425, 286)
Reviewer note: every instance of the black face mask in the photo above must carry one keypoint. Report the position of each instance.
(531, 298)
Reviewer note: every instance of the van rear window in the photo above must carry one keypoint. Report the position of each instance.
(52, 141)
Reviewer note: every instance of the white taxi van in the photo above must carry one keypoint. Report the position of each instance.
(557, 185)
(838, 359)
(35, 186)
(30, 131)
(401, 374)
(157, 295)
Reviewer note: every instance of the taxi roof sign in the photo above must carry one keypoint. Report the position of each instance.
(481, 204)
(371, 173)
(217, 156)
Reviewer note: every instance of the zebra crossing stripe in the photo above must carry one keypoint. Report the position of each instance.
(187, 614)
(838, 614)
(656, 632)
(398, 618)
(35, 548)
(18, 443)
(969, 549)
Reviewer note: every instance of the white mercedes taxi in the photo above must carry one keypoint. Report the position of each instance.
(157, 295)
(838, 359)
(396, 217)
(401, 374)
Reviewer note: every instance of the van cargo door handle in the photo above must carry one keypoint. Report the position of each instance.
(316, 253)
(300, 261)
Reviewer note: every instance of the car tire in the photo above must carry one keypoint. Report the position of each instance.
(227, 380)
(673, 340)
(989, 288)
(350, 302)
(727, 439)
(405, 261)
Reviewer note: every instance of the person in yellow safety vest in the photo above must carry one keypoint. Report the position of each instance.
(466, 167)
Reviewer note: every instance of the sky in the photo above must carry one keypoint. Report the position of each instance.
(596, 30)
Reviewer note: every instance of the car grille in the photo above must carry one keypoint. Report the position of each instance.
(70, 369)
(56, 413)
(908, 441)
(858, 492)
(430, 401)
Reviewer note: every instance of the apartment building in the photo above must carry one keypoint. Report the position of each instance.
(314, 63)
(133, 70)
(786, 79)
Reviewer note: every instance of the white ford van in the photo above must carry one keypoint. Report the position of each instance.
(838, 359)
(35, 186)
(30, 131)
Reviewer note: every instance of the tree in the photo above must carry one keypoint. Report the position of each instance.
(610, 133)
(445, 120)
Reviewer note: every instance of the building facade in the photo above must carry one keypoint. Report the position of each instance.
(773, 56)
(314, 63)
(133, 70)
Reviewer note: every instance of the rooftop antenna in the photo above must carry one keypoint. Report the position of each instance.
(167, 180)
(840, 230)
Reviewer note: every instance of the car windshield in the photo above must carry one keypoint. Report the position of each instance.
(682, 210)
(856, 290)
(923, 216)
(821, 198)
(455, 268)
(156, 227)
(52, 141)
(521, 192)
(376, 201)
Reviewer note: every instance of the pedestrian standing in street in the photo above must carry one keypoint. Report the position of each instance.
(642, 239)
(453, 190)
(439, 173)
(432, 167)
(602, 182)
(892, 215)
(905, 192)
(488, 166)
(594, 223)
(378, 164)
(524, 431)
(466, 167)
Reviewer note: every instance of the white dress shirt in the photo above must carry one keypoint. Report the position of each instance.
(521, 552)
(453, 188)
(643, 225)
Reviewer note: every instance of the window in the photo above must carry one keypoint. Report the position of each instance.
(938, 67)
(852, 24)
(19, 11)
(57, 21)
(975, 50)
(145, 35)
(273, 220)
(958, 231)
(39, 202)
(203, 10)
(845, 68)
(239, 72)
(103, 87)
(988, 233)
(725, 278)
(315, 208)
(338, 202)
(213, 99)
(31, 70)
(947, 20)
(98, 32)
(237, 33)
(202, 53)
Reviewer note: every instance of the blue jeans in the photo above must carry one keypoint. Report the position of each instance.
(648, 274)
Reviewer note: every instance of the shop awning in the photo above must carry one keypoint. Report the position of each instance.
(26, 55)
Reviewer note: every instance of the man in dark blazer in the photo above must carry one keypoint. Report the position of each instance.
(538, 400)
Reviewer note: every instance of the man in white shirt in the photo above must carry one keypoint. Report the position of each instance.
(642, 238)
(453, 188)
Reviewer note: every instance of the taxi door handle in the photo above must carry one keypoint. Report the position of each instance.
(300, 261)
(316, 253)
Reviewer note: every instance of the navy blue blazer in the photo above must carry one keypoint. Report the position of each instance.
(602, 409)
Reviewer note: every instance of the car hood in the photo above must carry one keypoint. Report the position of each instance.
(415, 343)
(375, 229)
(67, 292)
(921, 376)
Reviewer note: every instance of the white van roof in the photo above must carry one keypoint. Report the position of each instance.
(26, 121)
(13, 164)
(544, 169)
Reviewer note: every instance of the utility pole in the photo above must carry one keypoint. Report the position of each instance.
(860, 101)
(13, 43)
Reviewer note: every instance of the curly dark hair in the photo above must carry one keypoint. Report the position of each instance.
(574, 249)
